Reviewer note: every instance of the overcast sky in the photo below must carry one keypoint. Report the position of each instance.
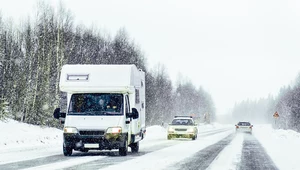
(234, 49)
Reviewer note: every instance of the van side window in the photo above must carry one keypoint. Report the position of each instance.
(127, 106)
(137, 96)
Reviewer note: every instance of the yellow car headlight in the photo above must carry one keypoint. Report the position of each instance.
(191, 130)
(70, 130)
(171, 129)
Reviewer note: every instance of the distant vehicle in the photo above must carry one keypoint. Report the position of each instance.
(106, 108)
(244, 127)
(182, 127)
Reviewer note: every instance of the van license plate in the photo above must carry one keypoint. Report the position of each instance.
(91, 145)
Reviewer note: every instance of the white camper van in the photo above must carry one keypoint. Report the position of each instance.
(105, 109)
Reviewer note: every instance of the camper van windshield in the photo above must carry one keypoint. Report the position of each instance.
(96, 104)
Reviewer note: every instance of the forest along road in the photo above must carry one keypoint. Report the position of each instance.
(154, 154)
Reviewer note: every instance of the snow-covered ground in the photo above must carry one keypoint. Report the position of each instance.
(16, 135)
(230, 157)
(283, 146)
(21, 141)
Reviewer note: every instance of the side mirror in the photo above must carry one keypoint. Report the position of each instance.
(135, 113)
(56, 113)
(128, 115)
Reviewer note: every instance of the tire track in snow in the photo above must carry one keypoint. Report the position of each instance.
(230, 156)
(118, 159)
(203, 158)
(254, 156)
(212, 132)
(33, 162)
(91, 160)
(115, 160)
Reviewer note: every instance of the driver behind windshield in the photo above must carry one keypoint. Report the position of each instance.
(96, 103)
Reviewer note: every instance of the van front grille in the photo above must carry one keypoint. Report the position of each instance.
(91, 133)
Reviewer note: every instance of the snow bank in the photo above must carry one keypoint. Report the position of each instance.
(156, 132)
(281, 145)
(15, 134)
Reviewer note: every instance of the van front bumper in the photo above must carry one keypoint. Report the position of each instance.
(101, 142)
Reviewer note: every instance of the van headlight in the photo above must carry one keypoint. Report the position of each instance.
(70, 130)
(114, 130)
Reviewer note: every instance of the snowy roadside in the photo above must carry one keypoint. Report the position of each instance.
(16, 136)
(281, 145)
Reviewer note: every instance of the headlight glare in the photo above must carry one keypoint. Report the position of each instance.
(190, 130)
(70, 130)
(114, 130)
(171, 129)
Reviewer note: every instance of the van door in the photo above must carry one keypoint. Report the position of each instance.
(136, 120)
(128, 125)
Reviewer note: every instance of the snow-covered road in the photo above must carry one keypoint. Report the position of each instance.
(217, 147)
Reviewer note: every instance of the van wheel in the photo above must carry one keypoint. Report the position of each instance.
(123, 150)
(67, 151)
(135, 147)
(194, 137)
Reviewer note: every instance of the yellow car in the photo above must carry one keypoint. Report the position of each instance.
(182, 127)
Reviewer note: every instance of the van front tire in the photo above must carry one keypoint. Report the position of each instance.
(124, 150)
(67, 151)
(134, 147)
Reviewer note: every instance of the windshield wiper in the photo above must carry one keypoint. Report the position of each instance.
(74, 113)
(93, 113)
(110, 113)
(90, 113)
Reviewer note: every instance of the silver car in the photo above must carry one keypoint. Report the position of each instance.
(244, 127)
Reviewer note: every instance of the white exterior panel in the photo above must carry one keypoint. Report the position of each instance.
(95, 78)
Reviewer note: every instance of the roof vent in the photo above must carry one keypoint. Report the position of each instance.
(78, 77)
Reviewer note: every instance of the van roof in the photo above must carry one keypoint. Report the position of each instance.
(86, 77)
